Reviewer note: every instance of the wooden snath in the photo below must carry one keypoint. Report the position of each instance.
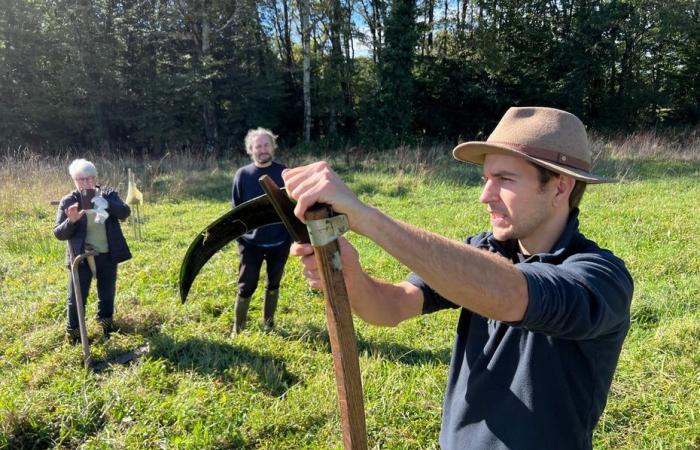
(342, 336)
(323, 235)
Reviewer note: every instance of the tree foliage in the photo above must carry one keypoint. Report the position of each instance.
(155, 74)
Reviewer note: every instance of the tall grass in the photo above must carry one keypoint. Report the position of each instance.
(197, 388)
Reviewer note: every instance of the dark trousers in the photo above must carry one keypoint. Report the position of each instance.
(106, 288)
(251, 259)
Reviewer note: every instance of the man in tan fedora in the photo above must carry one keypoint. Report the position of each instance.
(544, 311)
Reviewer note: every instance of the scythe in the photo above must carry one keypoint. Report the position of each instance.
(322, 229)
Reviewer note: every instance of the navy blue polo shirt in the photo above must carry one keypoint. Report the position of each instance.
(540, 383)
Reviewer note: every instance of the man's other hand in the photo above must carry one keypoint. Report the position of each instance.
(350, 260)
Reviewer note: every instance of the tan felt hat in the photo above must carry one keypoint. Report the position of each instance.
(548, 137)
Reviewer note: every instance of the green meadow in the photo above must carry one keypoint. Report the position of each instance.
(198, 389)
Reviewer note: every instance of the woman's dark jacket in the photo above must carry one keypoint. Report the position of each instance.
(75, 233)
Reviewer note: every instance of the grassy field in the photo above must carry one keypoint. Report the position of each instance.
(198, 389)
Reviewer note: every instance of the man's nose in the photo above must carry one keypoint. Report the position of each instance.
(489, 193)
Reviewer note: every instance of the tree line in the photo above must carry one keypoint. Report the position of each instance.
(150, 75)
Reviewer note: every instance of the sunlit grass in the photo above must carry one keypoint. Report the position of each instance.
(199, 389)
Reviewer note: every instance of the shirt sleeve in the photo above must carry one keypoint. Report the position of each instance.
(432, 301)
(585, 297)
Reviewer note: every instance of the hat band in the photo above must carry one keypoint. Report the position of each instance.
(547, 155)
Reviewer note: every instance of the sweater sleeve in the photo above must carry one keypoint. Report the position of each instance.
(63, 228)
(586, 297)
(117, 208)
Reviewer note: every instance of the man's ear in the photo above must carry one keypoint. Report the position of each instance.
(564, 185)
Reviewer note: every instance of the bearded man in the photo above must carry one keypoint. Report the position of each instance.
(269, 243)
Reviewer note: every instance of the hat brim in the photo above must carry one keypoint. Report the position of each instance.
(475, 152)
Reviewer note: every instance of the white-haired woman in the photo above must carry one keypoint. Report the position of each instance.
(96, 228)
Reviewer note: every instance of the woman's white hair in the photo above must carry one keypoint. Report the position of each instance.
(254, 133)
(82, 167)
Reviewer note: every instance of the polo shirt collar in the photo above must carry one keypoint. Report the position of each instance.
(511, 250)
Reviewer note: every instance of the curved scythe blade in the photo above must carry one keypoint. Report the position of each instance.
(240, 220)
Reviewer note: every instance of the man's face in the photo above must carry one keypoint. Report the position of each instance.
(262, 151)
(83, 182)
(519, 206)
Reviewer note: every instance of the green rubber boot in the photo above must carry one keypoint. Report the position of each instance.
(241, 309)
(269, 309)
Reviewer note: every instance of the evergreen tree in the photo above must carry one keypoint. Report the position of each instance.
(394, 111)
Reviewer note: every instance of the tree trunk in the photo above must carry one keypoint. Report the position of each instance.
(284, 41)
(211, 128)
(429, 13)
(337, 64)
(378, 13)
(288, 41)
(306, 52)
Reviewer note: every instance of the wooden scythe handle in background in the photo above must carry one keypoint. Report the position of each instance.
(80, 302)
(343, 340)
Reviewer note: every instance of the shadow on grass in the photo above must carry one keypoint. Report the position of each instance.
(37, 432)
(646, 316)
(214, 187)
(217, 358)
(117, 356)
(398, 353)
(28, 434)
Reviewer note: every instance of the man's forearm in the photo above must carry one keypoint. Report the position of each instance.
(480, 281)
(374, 301)
(381, 303)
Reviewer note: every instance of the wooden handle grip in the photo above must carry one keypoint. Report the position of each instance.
(343, 340)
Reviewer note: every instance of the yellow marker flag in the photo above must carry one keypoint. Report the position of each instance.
(134, 198)
(133, 195)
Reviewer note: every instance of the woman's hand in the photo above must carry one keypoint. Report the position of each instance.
(73, 214)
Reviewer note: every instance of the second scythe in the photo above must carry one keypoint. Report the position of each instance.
(322, 231)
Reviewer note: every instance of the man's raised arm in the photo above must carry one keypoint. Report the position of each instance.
(482, 282)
